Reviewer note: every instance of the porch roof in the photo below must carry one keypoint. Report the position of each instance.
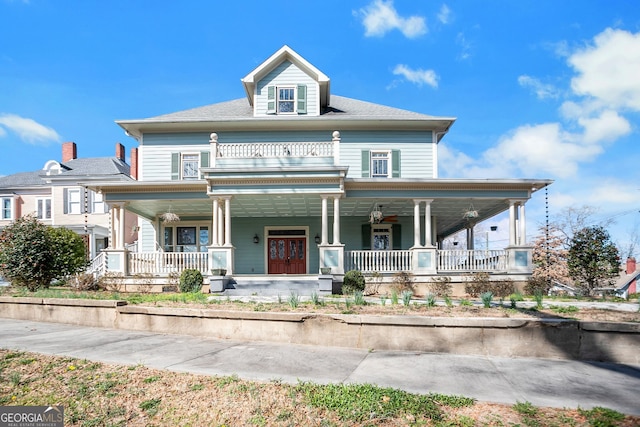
(451, 198)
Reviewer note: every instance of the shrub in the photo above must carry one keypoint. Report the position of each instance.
(353, 281)
(502, 288)
(486, 297)
(85, 282)
(478, 284)
(537, 285)
(68, 249)
(441, 286)
(403, 281)
(191, 280)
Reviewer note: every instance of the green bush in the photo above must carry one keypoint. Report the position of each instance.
(537, 285)
(191, 280)
(353, 281)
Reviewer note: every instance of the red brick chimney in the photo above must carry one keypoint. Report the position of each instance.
(133, 170)
(631, 265)
(120, 151)
(69, 151)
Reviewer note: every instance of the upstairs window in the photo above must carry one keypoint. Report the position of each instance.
(190, 166)
(291, 99)
(74, 201)
(380, 163)
(43, 208)
(7, 208)
(97, 203)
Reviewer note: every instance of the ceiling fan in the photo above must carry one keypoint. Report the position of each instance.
(376, 216)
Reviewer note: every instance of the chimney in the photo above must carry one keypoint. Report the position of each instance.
(69, 151)
(631, 265)
(133, 170)
(120, 151)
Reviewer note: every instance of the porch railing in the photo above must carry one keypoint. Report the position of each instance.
(97, 265)
(380, 261)
(167, 262)
(472, 260)
(275, 149)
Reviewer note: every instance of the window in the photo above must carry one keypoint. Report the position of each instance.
(97, 203)
(43, 208)
(379, 164)
(190, 166)
(187, 239)
(381, 236)
(7, 208)
(74, 201)
(287, 99)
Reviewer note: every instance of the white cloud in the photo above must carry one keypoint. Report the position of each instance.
(28, 130)
(541, 90)
(445, 14)
(380, 17)
(419, 76)
(465, 45)
(607, 127)
(608, 69)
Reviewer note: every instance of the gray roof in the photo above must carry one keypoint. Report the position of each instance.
(85, 168)
(340, 108)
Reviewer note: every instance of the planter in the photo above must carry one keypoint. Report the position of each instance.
(325, 270)
(218, 271)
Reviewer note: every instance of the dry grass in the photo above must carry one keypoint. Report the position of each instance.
(96, 394)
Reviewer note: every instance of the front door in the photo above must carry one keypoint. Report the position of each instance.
(287, 255)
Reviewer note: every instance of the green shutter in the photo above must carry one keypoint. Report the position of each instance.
(204, 161)
(366, 162)
(271, 99)
(395, 163)
(366, 237)
(175, 166)
(302, 99)
(396, 237)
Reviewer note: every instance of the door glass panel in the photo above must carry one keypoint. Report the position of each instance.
(300, 249)
(292, 249)
(168, 239)
(204, 238)
(272, 249)
(281, 249)
(380, 242)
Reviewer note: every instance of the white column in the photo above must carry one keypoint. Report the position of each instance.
(336, 220)
(512, 223)
(416, 223)
(325, 220)
(227, 222)
(220, 223)
(121, 228)
(523, 225)
(214, 227)
(428, 241)
(112, 224)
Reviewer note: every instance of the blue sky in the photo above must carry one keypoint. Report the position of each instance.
(540, 89)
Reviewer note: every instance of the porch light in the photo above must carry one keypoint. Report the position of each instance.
(169, 217)
(317, 239)
(256, 239)
(470, 213)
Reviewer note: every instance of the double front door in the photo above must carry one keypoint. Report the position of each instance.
(287, 255)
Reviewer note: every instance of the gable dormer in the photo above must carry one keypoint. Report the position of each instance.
(287, 85)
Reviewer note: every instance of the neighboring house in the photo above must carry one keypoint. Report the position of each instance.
(291, 179)
(627, 282)
(54, 194)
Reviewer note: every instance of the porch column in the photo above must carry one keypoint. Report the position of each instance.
(227, 221)
(416, 223)
(428, 240)
(336, 220)
(523, 225)
(512, 223)
(325, 220)
(121, 227)
(214, 226)
(220, 223)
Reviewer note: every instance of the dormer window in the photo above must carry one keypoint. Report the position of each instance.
(287, 99)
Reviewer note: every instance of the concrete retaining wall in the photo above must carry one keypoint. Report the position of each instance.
(507, 337)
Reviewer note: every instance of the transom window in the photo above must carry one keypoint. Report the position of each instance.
(190, 166)
(7, 208)
(286, 99)
(380, 164)
(43, 208)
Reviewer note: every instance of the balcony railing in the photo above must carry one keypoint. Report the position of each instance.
(167, 262)
(275, 149)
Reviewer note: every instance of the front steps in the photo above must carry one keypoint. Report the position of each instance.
(284, 285)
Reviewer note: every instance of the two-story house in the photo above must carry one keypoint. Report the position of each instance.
(54, 194)
(291, 179)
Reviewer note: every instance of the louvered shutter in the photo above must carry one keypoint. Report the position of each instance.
(271, 99)
(366, 162)
(302, 99)
(395, 163)
(366, 237)
(396, 237)
(204, 161)
(175, 166)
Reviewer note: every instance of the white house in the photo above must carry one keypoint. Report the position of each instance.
(292, 179)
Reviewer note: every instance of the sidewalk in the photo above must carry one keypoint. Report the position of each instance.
(555, 383)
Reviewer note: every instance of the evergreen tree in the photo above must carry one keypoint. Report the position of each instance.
(593, 260)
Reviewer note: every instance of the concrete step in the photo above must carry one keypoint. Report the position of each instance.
(239, 286)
